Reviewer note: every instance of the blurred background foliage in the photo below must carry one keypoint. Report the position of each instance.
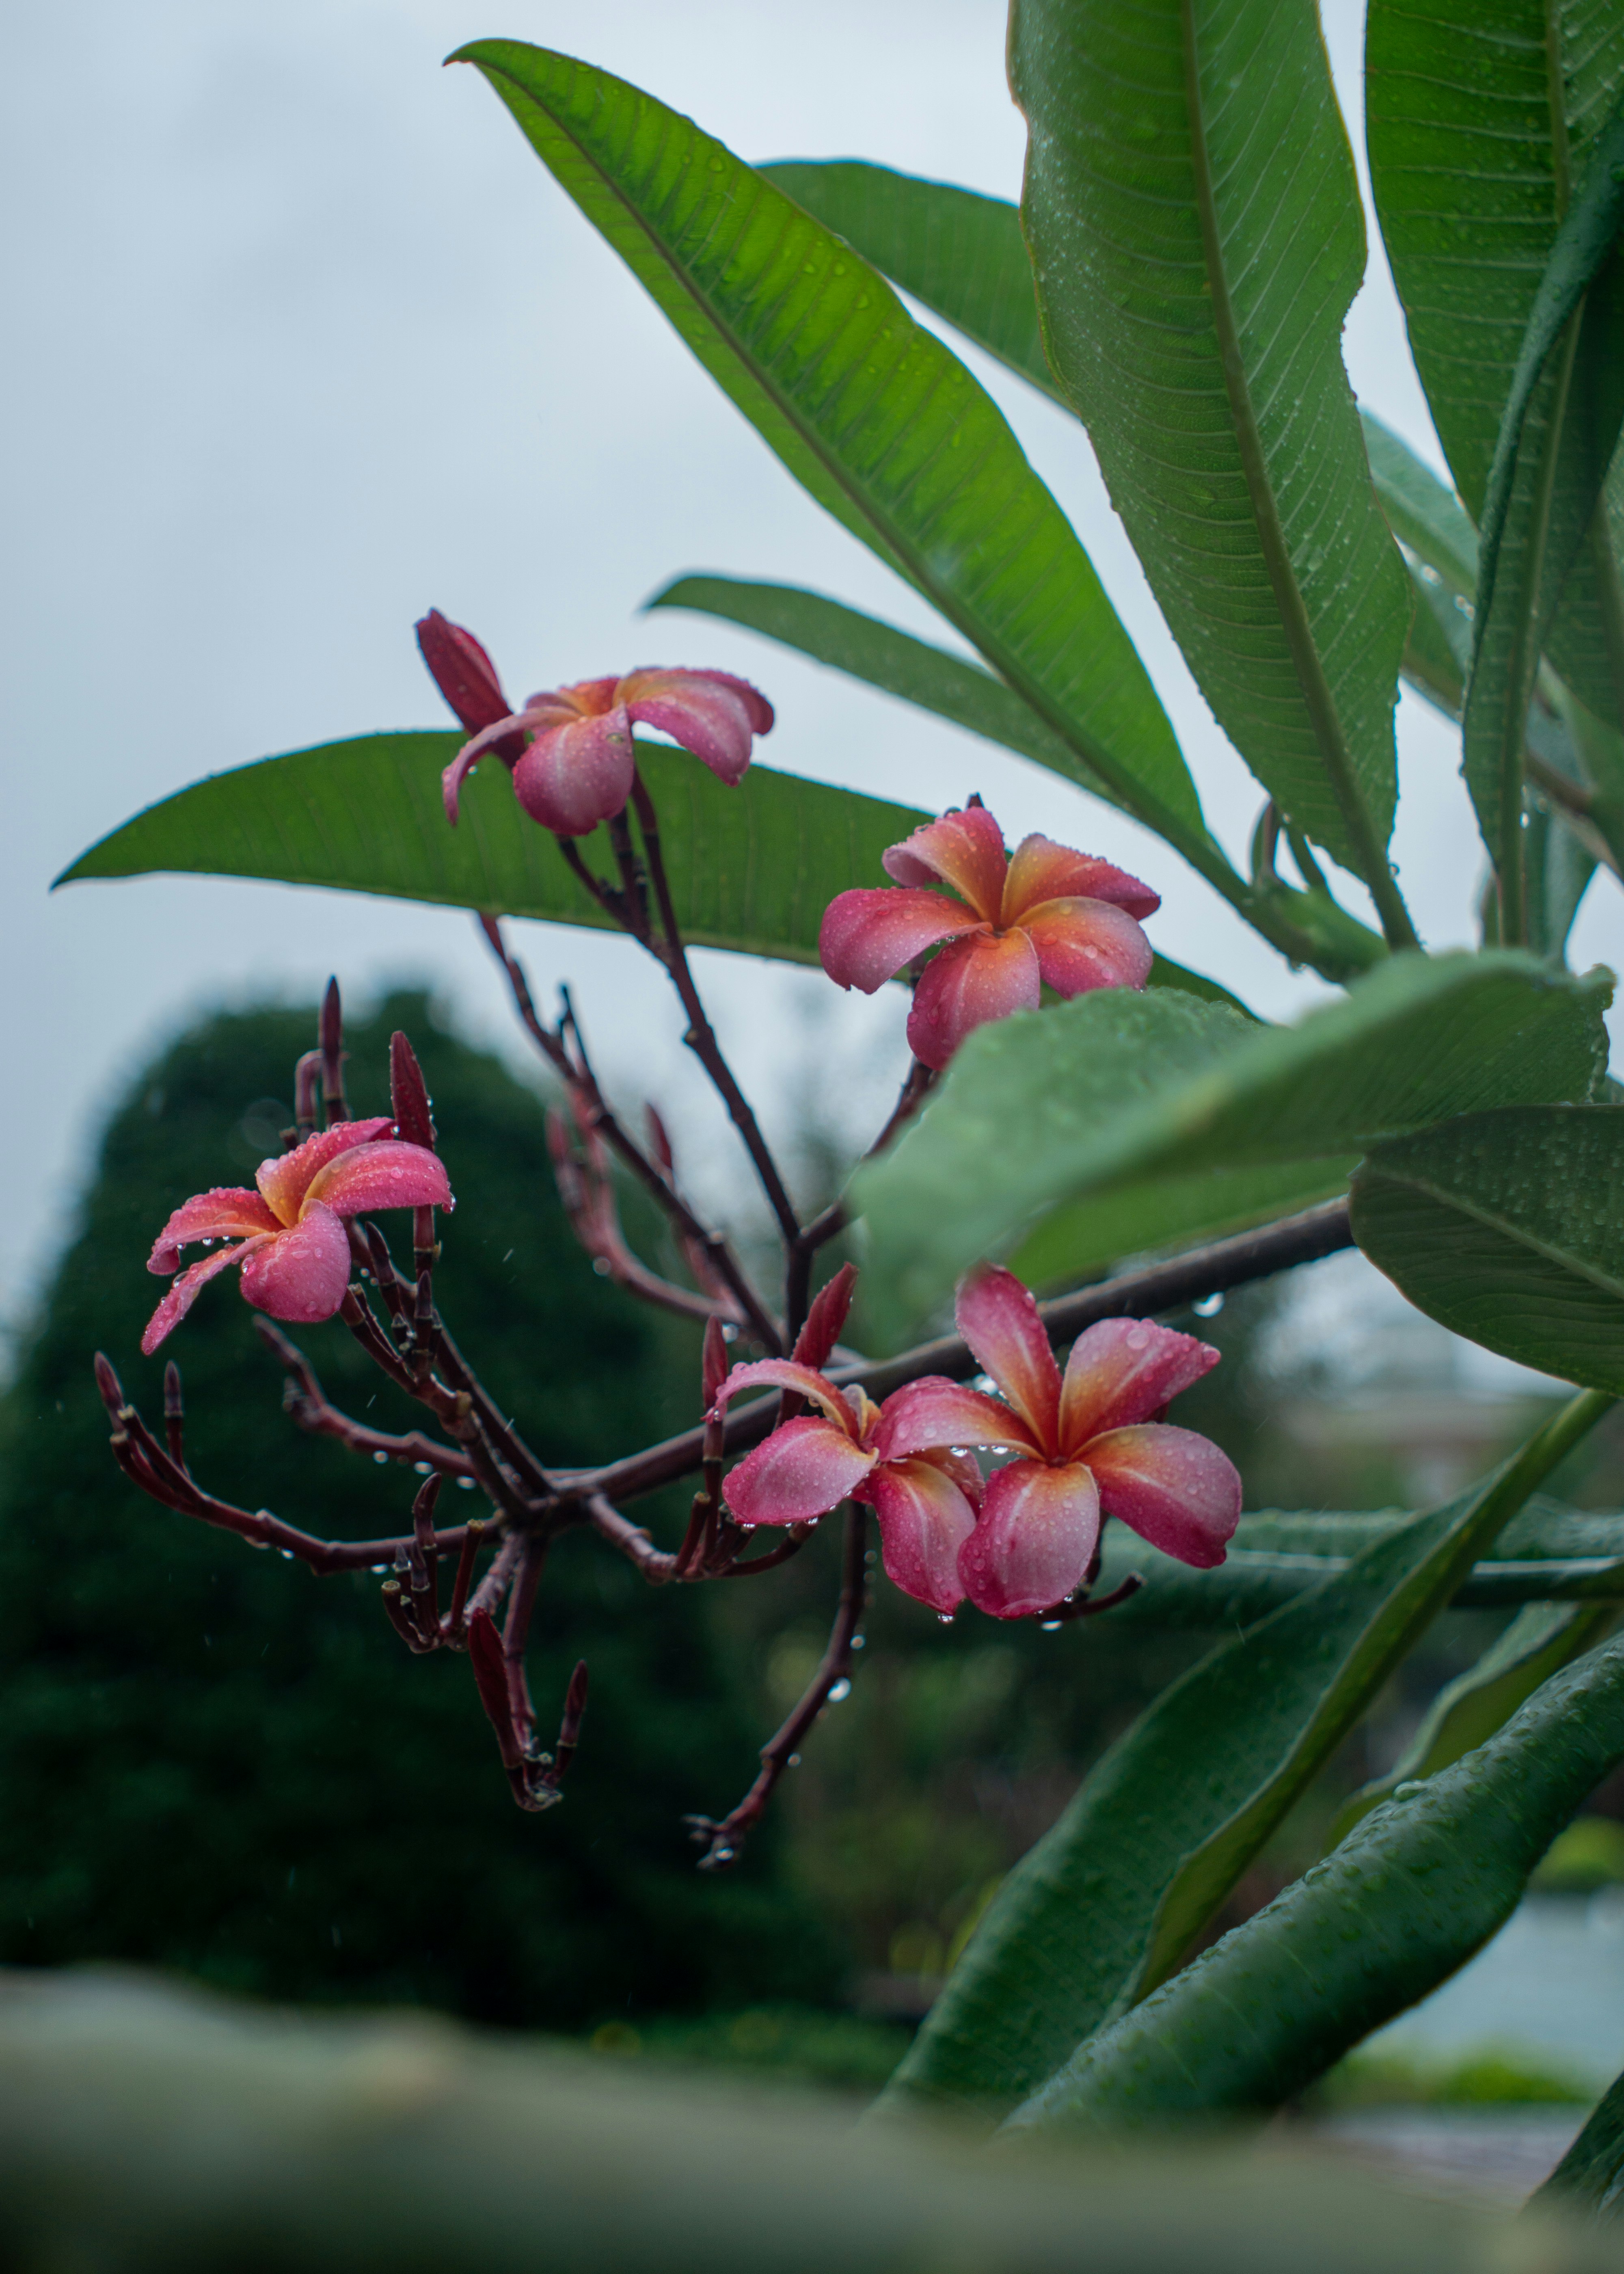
(212, 1762)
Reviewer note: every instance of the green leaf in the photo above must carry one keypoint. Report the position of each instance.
(1547, 1554)
(1107, 1903)
(751, 869)
(879, 420)
(1066, 1108)
(1557, 435)
(1479, 116)
(1196, 234)
(1467, 1711)
(1422, 512)
(1506, 1227)
(1587, 2179)
(885, 658)
(959, 253)
(1413, 1891)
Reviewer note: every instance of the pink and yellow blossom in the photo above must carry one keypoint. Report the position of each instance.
(289, 1233)
(924, 1495)
(570, 752)
(1089, 1444)
(1043, 917)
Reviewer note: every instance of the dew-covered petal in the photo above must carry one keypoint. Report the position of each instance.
(804, 1469)
(869, 935)
(184, 1292)
(934, 1412)
(464, 674)
(573, 776)
(1034, 1539)
(1174, 1488)
(710, 712)
(285, 1179)
(999, 1320)
(972, 983)
(924, 1519)
(1123, 1370)
(301, 1275)
(789, 1374)
(1041, 871)
(1086, 944)
(392, 1174)
(965, 850)
(229, 1212)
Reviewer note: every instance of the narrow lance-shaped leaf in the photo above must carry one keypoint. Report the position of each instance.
(1557, 434)
(1114, 1106)
(879, 420)
(1199, 335)
(1409, 1895)
(1107, 1903)
(1506, 1227)
(1588, 2179)
(1467, 1712)
(1479, 115)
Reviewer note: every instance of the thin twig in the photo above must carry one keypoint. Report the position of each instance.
(308, 1406)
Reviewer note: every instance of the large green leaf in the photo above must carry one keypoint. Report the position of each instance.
(1588, 2177)
(1198, 331)
(1467, 1711)
(868, 410)
(1547, 1554)
(751, 869)
(1413, 1891)
(1507, 1227)
(1479, 115)
(1107, 1903)
(1557, 434)
(1113, 1093)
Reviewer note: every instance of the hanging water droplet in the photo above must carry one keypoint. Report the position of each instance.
(795, 1761)
(944, 1618)
(465, 1484)
(287, 1553)
(1208, 1308)
(1050, 1626)
(860, 1642)
(839, 1691)
(380, 1458)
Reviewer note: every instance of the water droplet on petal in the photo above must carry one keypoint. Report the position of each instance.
(839, 1691)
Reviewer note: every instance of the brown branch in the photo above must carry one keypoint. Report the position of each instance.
(722, 1840)
(1133, 1294)
(308, 1406)
(655, 1565)
(586, 1187)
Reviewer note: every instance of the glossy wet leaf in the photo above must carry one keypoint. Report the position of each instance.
(1200, 343)
(1416, 1888)
(1061, 1109)
(879, 420)
(1506, 1228)
(1107, 1903)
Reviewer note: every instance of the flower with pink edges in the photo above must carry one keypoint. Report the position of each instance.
(289, 1234)
(1043, 916)
(924, 1495)
(1090, 1445)
(569, 749)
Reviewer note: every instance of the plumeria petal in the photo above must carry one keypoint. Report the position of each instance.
(965, 850)
(924, 1520)
(464, 674)
(1175, 1488)
(867, 936)
(300, 1274)
(229, 1212)
(1085, 944)
(285, 1180)
(710, 712)
(934, 1412)
(1034, 1540)
(1041, 871)
(572, 777)
(1123, 1371)
(788, 1374)
(384, 1176)
(970, 983)
(999, 1320)
(188, 1286)
(804, 1469)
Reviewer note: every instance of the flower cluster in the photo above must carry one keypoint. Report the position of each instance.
(1089, 1444)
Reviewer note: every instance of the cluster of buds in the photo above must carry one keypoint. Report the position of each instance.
(994, 1493)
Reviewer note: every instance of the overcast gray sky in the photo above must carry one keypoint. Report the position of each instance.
(305, 341)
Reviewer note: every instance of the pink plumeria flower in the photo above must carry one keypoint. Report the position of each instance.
(577, 766)
(1044, 916)
(1087, 1446)
(924, 1495)
(290, 1234)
